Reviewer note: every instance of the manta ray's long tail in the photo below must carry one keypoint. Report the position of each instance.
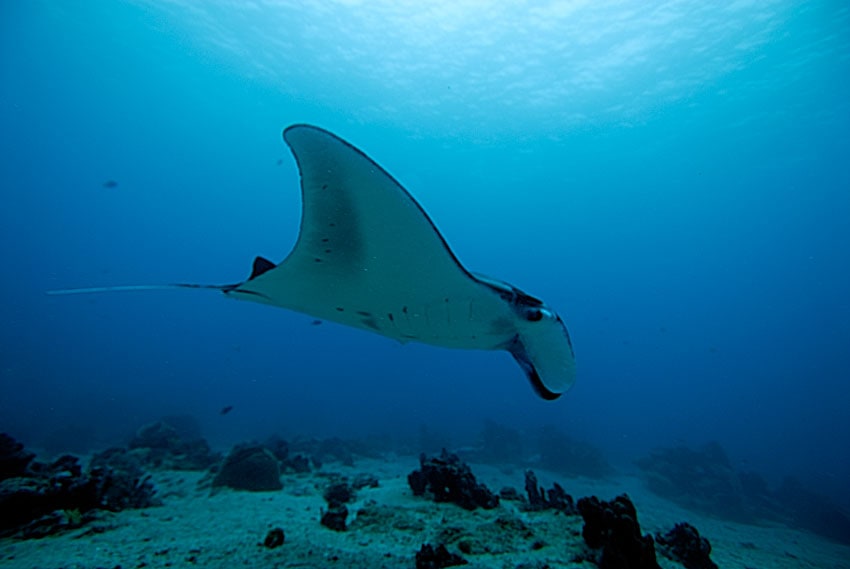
(130, 288)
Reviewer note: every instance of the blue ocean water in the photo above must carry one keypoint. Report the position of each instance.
(670, 176)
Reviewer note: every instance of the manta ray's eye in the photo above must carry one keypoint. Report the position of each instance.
(534, 315)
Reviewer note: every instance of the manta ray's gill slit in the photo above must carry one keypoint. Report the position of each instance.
(393, 325)
(364, 313)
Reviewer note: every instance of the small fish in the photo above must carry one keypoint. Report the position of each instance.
(226, 409)
(110, 184)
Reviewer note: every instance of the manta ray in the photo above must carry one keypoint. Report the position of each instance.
(368, 256)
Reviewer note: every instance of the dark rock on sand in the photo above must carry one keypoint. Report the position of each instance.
(249, 467)
(684, 545)
(334, 517)
(613, 527)
(554, 499)
(447, 479)
(274, 538)
(429, 557)
(339, 492)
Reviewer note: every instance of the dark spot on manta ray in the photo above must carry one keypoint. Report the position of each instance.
(318, 260)
(110, 184)
(331, 224)
(327, 250)
(325, 240)
(371, 323)
(364, 313)
(279, 161)
(340, 309)
(316, 323)
(324, 186)
(226, 409)
(404, 309)
(390, 316)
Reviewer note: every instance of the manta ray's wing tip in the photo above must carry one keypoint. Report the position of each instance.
(303, 127)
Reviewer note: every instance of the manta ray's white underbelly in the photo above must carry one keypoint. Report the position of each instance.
(451, 310)
(451, 323)
(484, 322)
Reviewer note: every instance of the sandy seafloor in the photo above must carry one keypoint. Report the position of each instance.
(387, 525)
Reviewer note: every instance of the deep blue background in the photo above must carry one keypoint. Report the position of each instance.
(673, 178)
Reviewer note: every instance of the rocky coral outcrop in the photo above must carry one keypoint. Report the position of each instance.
(164, 446)
(38, 499)
(446, 479)
(684, 545)
(249, 467)
(613, 528)
(554, 499)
